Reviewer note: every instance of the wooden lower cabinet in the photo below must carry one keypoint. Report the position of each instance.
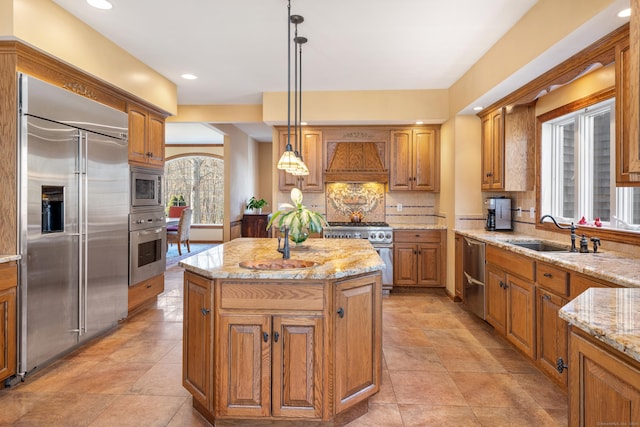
(8, 318)
(510, 298)
(496, 298)
(552, 334)
(197, 340)
(521, 328)
(419, 258)
(270, 365)
(357, 341)
(145, 292)
(604, 384)
(255, 225)
(282, 351)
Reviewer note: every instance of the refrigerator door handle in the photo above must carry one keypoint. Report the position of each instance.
(85, 232)
(81, 219)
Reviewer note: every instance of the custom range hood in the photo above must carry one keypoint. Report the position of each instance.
(356, 161)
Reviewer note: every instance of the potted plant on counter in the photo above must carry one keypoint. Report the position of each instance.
(256, 205)
(299, 219)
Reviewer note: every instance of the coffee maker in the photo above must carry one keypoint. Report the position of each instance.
(498, 213)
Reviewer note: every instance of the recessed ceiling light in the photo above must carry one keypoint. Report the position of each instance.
(478, 108)
(189, 77)
(419, 122)
(303, 123)
(625, 13)
(100, 4)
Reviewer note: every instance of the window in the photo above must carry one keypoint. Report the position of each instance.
(578, 169)
(199, 180)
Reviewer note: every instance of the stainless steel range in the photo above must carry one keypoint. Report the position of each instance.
(380, 234)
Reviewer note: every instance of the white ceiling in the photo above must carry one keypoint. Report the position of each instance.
(238, 50)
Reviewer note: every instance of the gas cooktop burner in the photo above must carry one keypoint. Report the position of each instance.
(359, 224)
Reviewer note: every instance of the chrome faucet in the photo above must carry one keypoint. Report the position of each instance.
(571, 227)
(286, 253)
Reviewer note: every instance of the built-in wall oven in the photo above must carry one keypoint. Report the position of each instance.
(380, 235)
(147, 245)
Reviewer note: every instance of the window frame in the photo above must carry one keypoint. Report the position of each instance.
(196, 154)
(605, 233)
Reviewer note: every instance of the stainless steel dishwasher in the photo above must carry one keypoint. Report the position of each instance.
(473, 293)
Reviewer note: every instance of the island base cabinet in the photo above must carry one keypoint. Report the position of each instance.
(270, 366)
(357, 340)
(604, 389)
(197, 343)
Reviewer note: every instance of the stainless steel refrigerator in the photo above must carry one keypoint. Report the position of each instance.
(73, 236)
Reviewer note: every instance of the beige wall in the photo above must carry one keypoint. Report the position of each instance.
(546, 23)
(46, 26)
(354, 107)
(241, 173)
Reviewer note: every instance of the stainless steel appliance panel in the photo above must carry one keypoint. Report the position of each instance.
(74, 266)
(107, 236)
(147, 245)
(50, 269)
(473, 262)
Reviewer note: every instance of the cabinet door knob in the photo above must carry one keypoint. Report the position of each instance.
(501, 284)
(546, 297)
(560, 366)
(276, 336)
(265, 337)
(341, 312)
(205, 311)
(489, 174)
(548, 275)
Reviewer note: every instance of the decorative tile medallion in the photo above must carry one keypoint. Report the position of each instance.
(343, 199)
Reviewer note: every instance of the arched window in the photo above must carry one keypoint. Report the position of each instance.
(197, 181)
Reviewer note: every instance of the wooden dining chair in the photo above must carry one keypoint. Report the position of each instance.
(181, 235)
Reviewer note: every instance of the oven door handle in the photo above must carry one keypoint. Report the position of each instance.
(148, 232)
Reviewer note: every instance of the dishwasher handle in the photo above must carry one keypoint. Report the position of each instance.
(472, 281)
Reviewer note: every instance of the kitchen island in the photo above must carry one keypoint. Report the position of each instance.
(285, 345)
(604, 357)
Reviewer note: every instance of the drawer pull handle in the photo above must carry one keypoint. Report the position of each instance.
(205, 311)
(265, 337)
(341, 312)
(549, 275)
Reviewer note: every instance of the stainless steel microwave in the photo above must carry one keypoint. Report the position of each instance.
(146, 187)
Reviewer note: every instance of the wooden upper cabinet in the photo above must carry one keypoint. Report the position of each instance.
(492, 150)
(624, 119)
(312, 154)
(632, 101)
(146, 137)
(415, 159)
(508, 148)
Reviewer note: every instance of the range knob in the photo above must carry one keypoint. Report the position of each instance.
(357, 235)
(381, 235)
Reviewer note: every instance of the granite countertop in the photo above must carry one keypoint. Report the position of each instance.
(615, 267)
(336, 257)
(609, 315)
(8, 258)
(417, 226)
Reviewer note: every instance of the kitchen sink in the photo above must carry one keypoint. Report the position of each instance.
(540, 246)
(278, 264)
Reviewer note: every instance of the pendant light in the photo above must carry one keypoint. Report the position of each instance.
(291, 161)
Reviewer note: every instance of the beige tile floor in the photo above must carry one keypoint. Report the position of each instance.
(442, 367)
